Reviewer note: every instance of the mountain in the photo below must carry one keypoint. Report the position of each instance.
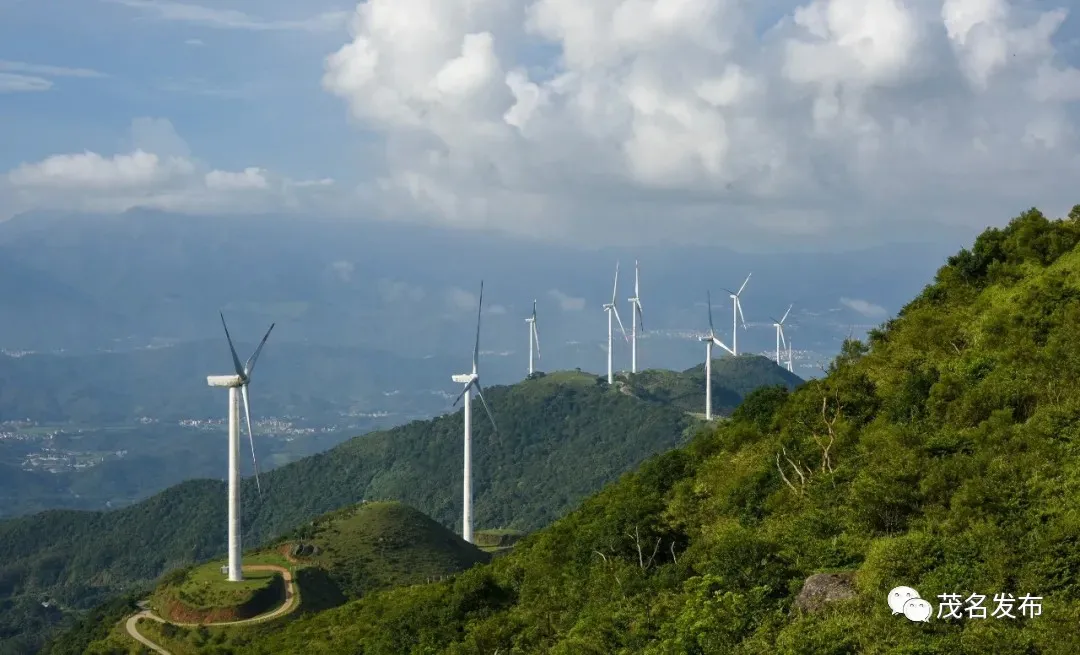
(733, 379)
(561, 437)
(941, 455)
(143, 275)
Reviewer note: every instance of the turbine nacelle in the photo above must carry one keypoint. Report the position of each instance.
(224, 380)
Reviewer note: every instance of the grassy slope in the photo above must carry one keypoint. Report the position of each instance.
(952, 467)
(558, 443)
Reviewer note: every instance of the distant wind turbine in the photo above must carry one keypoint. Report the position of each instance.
(471, 381)
(636, 320)
(612, 310)
(737, 315)
(238, 381)
(534, 338)
(779, 325)
(789, 367)
(710, 340)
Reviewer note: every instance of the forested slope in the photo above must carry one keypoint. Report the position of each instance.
(942, 455)
(560, 438)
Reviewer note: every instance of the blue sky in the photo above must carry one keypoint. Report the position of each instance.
(748, 122)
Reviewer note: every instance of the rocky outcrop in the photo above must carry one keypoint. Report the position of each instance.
(823, 588)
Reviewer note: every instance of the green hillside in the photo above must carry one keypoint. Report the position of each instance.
(562, 437)
(732, 379)
(379, 544)
(941, 455)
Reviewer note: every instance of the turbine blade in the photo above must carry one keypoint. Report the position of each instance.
(251, 436)
(625, 336)
(783, 341)
(636, 287)
(483, 401)
(786, 314)
(536, 339)
(476, 348)
(738, 306)
(743, 284)
(720, 343)
(462, 394)
(615, 289)
(640, 318)
(250, 365)
(708, 294)
(235, 359)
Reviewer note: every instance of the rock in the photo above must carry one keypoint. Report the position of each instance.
(823, 588)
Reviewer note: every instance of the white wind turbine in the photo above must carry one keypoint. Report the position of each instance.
(612, 310)
(737, 315)
(636, 320)
(779, 325)
(238, 381)
(710, 340)
(534, 339)
(471, 380)
(789, 367)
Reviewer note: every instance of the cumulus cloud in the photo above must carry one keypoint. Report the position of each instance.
(866, 308)
(158, 171)
(566, 302)
(543, 116)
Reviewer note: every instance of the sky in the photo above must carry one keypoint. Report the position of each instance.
(615, 122)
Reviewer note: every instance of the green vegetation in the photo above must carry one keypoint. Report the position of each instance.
(558, 442)
(942, 454)
(732, 379)
(204, 593)
(376, 545)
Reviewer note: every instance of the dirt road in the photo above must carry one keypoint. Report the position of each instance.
(286, 607)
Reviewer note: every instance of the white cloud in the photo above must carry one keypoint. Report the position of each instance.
(194, 42)
(567, 303)
(23, 77)
(398, 291)
(495, 310)
(460, 299)
(232, 19)
(864, 307)
(15, 83)
(48, 71)
(844, 116)
(251, 177)
(343, 270)
(158, 172)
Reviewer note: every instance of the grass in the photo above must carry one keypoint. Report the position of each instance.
(205, 587)
(375, 545)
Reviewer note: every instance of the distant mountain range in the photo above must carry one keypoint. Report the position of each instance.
(85, 282)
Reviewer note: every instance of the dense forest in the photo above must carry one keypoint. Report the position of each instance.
(561, 437)
(941, 454)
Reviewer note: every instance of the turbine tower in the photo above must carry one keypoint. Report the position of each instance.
(789, 367)
(471, 380)
(779, 325)
(636, 321)
(534, 338)
(612, 310)
(237, 385)
(710, 340)
(737, 315)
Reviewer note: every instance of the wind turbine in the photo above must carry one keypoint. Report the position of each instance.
(710, 340)
(779, 325)
(237, 382)
(636, 320)
(471, 380)
(736, 315)
(789, 367)
(534, 338)
(612, 310)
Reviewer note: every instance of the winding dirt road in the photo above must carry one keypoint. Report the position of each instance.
(286, 607)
